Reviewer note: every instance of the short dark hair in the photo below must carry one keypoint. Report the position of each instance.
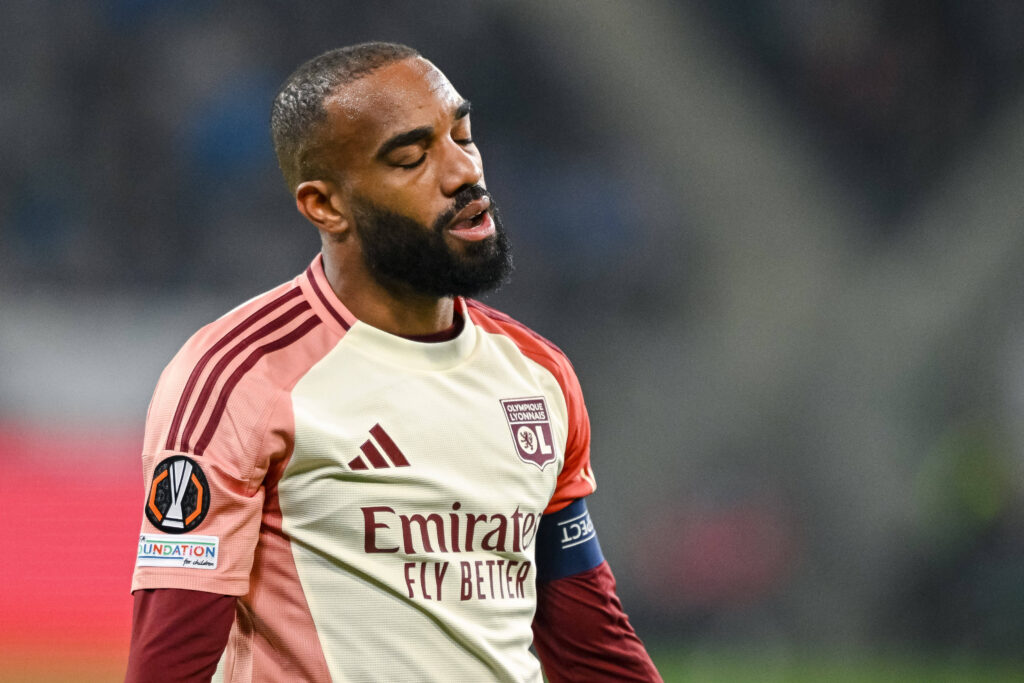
(298, 110)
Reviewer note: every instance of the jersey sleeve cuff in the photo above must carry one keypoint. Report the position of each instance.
(207, 584)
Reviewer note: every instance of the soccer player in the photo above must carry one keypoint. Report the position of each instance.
(364, 474)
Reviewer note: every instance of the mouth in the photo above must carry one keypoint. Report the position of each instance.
(474, 222)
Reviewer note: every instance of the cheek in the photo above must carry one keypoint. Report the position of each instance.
(414, 201)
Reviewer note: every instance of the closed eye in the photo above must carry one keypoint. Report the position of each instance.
(413, 164)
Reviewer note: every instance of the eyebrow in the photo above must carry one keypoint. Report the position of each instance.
(411, 137)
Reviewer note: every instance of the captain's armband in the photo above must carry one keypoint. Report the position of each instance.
(567, 543)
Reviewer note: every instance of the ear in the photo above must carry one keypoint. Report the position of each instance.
(320, 202)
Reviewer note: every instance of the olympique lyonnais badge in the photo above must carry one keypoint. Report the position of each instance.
(531, 429)
(179, 496)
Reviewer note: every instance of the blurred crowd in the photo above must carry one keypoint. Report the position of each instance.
(137, 150)
(895, 90)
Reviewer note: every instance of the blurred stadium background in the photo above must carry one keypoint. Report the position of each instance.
(782, 240)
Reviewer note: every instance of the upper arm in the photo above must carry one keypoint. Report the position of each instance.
(567, 543)
(210, 439)
(576, 479)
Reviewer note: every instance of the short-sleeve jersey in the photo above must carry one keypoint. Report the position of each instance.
(372, 500)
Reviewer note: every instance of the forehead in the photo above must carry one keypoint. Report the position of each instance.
(398, 97)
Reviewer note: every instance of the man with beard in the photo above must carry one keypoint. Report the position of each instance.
(363, 474)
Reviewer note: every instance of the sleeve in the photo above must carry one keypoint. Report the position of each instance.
(581, 633)
(576, 480)
(211, 436)
(169, 639)
(580, 630)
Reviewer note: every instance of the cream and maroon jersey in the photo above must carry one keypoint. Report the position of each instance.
(372, 500)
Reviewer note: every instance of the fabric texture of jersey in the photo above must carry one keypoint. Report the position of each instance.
(374, 501)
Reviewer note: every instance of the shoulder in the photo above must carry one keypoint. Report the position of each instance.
(238, 364)
(494, 321)
(245, 329)
(530, 343)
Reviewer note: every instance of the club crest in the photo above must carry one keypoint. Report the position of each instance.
(530, 424)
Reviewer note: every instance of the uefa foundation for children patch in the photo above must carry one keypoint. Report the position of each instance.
(189, 552)
(179, 495)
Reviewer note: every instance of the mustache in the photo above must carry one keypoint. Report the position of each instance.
(459, 201)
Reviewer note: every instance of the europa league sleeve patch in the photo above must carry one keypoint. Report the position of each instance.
(179, 496)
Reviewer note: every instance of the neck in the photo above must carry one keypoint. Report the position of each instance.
(404, 314)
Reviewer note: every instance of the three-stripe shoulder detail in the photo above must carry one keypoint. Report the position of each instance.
(262, 327)
(247, 364)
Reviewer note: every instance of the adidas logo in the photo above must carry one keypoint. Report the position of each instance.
(374, 456)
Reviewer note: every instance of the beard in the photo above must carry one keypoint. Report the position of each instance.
(406, 256)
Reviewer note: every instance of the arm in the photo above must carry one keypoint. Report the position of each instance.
(580, 631)
(179, 634)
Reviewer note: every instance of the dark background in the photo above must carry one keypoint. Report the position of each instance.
(781, 241)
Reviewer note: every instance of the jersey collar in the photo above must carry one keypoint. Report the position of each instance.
(432, 355)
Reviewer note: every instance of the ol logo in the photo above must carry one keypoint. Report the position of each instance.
(531, 429)
(179, 496)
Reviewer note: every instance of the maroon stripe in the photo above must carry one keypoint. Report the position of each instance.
(373, 455)
(357, 463)
(323, 299)
(236, 377)
(225, 360)
(389, 446)
(499, 316)
(241, 327)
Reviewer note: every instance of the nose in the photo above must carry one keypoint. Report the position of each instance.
(462, 167)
